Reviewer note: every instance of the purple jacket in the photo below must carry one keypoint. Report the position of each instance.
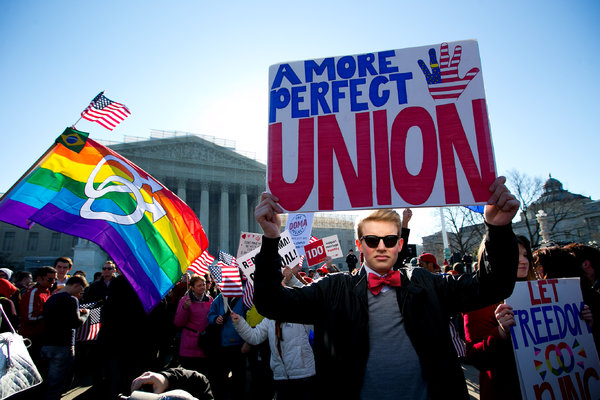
(193, 321)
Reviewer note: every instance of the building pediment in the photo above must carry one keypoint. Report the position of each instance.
(188, 149)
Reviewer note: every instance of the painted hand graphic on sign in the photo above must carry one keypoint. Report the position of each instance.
(443, 80)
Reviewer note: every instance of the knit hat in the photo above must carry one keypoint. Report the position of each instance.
(7, 271)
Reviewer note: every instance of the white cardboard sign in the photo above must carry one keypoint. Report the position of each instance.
(287, 251)
(318, 250)
(300, 226)
(554, 348)
(248, 242)
(387, 129)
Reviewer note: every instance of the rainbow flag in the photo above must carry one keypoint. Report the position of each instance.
(84, 189)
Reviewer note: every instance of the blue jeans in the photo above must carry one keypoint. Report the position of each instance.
(60, 361)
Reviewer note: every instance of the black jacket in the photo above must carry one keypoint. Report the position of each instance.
(191, 381)
(337, 306)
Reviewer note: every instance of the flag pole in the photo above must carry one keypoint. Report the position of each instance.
(73, 126)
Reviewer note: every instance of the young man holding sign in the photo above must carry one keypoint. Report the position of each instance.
(388, 329)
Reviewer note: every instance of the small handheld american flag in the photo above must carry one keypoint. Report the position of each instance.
(231, 281)
(200, 265)
(91, 327)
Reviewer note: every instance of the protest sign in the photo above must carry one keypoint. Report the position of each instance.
(391, 129)
(300, 226)
(554, 348)
(287, 251)
(318, 250)
(248, 242)
(315, 252)
(332, 246)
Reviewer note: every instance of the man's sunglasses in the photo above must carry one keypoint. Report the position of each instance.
(372, 241)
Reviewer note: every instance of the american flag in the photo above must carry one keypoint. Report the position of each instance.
(215, 272)
(248, 294)
(443, 80)
(201, 264)
(105, 112)
(91, 327)
(231, 281)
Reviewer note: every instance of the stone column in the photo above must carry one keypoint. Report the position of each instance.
(253, 226)
(243, 208)
(181, 188)
(224, 219)
(205, 206)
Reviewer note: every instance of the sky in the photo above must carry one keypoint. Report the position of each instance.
(202, 67)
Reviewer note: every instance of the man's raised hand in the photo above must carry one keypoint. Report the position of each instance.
(267, 213)
(502, 206)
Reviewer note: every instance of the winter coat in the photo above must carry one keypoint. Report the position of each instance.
(193, 321)
(296, 359)
(229, 336)
(337, 306)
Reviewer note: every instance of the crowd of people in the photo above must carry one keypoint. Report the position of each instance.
(382, 329)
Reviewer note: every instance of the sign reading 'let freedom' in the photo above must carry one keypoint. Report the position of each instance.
(394, 128)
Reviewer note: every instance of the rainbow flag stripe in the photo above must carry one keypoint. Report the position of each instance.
(84, 189)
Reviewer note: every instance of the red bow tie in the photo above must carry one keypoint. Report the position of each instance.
(376, 282)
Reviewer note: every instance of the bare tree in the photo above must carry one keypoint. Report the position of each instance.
(465, 227)
(557, 203)
(527, 189)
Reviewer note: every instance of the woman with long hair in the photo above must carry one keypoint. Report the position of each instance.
(488, 338)
(192, 316)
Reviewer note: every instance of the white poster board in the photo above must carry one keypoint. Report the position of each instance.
(554, 348)
(248, 242)
(388, 129)
(321, 248)
(287, 251)
(300, 226)
(332, 246)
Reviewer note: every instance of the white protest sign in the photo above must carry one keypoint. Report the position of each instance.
(397, 128)
(246, 263)
(332, 246)
(554, 348)
(248, 242)
(300, 226)
(286, 249)
(318, 250)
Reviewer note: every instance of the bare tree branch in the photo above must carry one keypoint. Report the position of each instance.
(466, 229)
(527, 189)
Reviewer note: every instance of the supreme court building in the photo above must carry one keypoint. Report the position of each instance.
(219, 184)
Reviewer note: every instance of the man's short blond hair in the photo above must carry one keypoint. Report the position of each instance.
(387, 215)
